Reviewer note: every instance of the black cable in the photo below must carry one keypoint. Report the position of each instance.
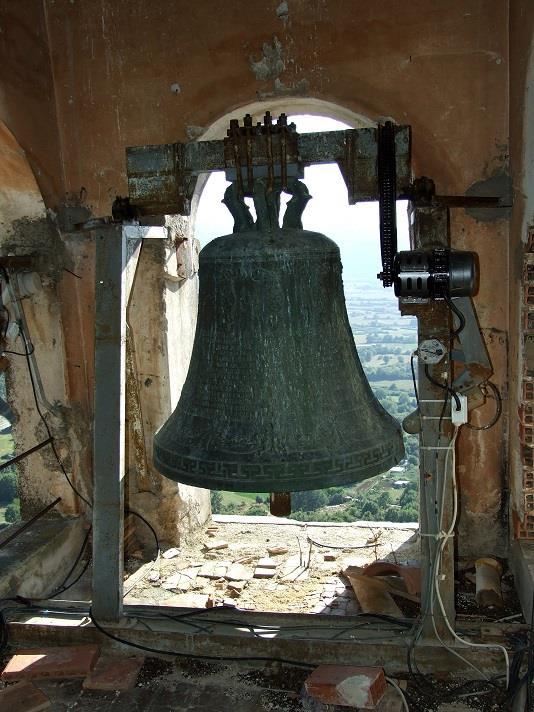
(399, 622)
(8, 321)
(156, 540)
(461, 318)
(18, 353)
(43, 419)
(444, 387)
(156, 651)
(498, 409)
(414, 380)
(64, 586)
(331, 546)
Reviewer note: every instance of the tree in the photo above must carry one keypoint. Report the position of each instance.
(8, 488)
(370, 510)
(216, 501)
(308, 501)
(12, 513)
(257, 510)
(383, 500)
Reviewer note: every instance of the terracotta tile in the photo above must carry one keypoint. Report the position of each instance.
(347, 685)
(264, 573)
(60, 662)
(119, 673)
(23, 697)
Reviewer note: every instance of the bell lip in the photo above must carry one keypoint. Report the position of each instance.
(327, 479)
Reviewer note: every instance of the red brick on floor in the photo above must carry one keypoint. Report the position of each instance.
(347, 685)
(118, 673)
(59, 662)
(23, 697)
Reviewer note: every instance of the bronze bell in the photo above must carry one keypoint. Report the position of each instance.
(275, 399)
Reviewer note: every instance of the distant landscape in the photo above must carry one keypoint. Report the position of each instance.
(384, 341)
(9, 497)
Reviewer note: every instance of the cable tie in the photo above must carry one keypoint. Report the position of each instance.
(434, 447)
(438, 536)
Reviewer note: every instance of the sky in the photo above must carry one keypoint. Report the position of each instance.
(355, 228)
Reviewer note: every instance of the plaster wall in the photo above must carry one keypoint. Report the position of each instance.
(27, 93)
(162, 321)
(127, 72)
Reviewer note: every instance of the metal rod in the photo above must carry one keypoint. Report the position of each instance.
(28, 524)
(20, 457)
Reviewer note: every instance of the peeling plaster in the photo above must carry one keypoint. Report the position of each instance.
(301, 88)
(282, 11)
(194, 132)
(271, 64)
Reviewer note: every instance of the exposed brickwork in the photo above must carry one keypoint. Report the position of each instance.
(59, 663)
(524, 528)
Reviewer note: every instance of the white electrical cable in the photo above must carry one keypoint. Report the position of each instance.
(401, 693)
(444, 536)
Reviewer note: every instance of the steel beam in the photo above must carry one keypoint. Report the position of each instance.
(162, 179)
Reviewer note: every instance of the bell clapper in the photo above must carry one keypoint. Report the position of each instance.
(280, 504)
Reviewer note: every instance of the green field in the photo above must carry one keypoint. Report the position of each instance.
(6, 446)
(248, 498)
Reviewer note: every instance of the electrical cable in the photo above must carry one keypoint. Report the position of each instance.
(444, 387)
(414, 380)
(400, 693)
(8, 321)
(64, 586)
(156, 540)
(461, 318)
(498, 409)
(332, 546)
(43, 419)
(444, 536)
(18, 353)
(179, 654)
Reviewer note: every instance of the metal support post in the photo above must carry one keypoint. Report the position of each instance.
(431, 229)
(117, 252)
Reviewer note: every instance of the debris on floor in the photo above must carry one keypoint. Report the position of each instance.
(287, 568)
(348, 686)
(372, 593)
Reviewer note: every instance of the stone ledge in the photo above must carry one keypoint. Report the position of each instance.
(36, 562)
